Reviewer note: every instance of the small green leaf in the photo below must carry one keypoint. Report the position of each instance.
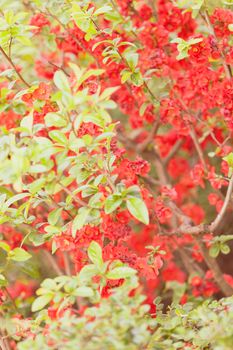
(40, 302)
(138, 209)
(58, 137)
(214, 250)
(3, 281)
(61, 81)
(87, 272)
(54, 216)
(5, 246)
(112, 203)
(95, 254)
(136, 79)
(80, 220)
(16, 198)
(103, 9)
(19, 254)
(83, 292)
(225, 249)
(121, 272)
(54, 119)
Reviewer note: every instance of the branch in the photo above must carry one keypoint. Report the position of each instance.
(14, 67)
(173, 151)
(197, 146)
(53, 263)
(150, 137)
(220, 215)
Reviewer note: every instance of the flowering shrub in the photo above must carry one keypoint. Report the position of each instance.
(116, 174)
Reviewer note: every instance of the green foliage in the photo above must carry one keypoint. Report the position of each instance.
(121, 322)
(184, 46)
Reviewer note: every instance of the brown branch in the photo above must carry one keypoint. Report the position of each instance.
(198, 147)
(14, 67)
(173, 151)
(67, 264)
(59, 68)
(150, 137)
(218, 219)
(53, 263)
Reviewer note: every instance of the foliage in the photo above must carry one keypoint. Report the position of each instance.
(116, 174)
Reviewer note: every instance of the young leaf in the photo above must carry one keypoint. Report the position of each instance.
(19, 254)
(112, 203)
(61, 81)
(84, 292)
(214, 250)
(87, 272)
(40, 302)
(95, 254)
(54, 119)
(138, 209)
(54, 216)
(225, 249)
(80, 220)
(121, 272)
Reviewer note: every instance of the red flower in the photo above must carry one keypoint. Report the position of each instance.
(39, 20)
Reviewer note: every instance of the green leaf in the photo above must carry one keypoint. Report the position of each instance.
(54, 216)
(58, 137)
(121, 272)
(27, 122)
(132, 59)
(225, 249)
(83, 292)
(138, 209)
(229, 159)
(125, 75)
(19, 254)
(95, 254)
(87, 272)
(136, 79)
(112, 203)
(16, 198)
(54, 119)
(40, 302)
(103, 10)
(80, 220)
(61, 81)
(5, 246)
(3, 281)
(214, 250)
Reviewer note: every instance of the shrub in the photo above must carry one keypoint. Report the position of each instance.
(116, 174)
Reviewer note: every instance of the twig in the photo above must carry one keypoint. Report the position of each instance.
(53, 263)
(59, 68)
(173, 151)
(77, 200)
(14, 67)
(197, 146)
(11, 299)
(150, 137)
(67, 264)
(217, 221)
